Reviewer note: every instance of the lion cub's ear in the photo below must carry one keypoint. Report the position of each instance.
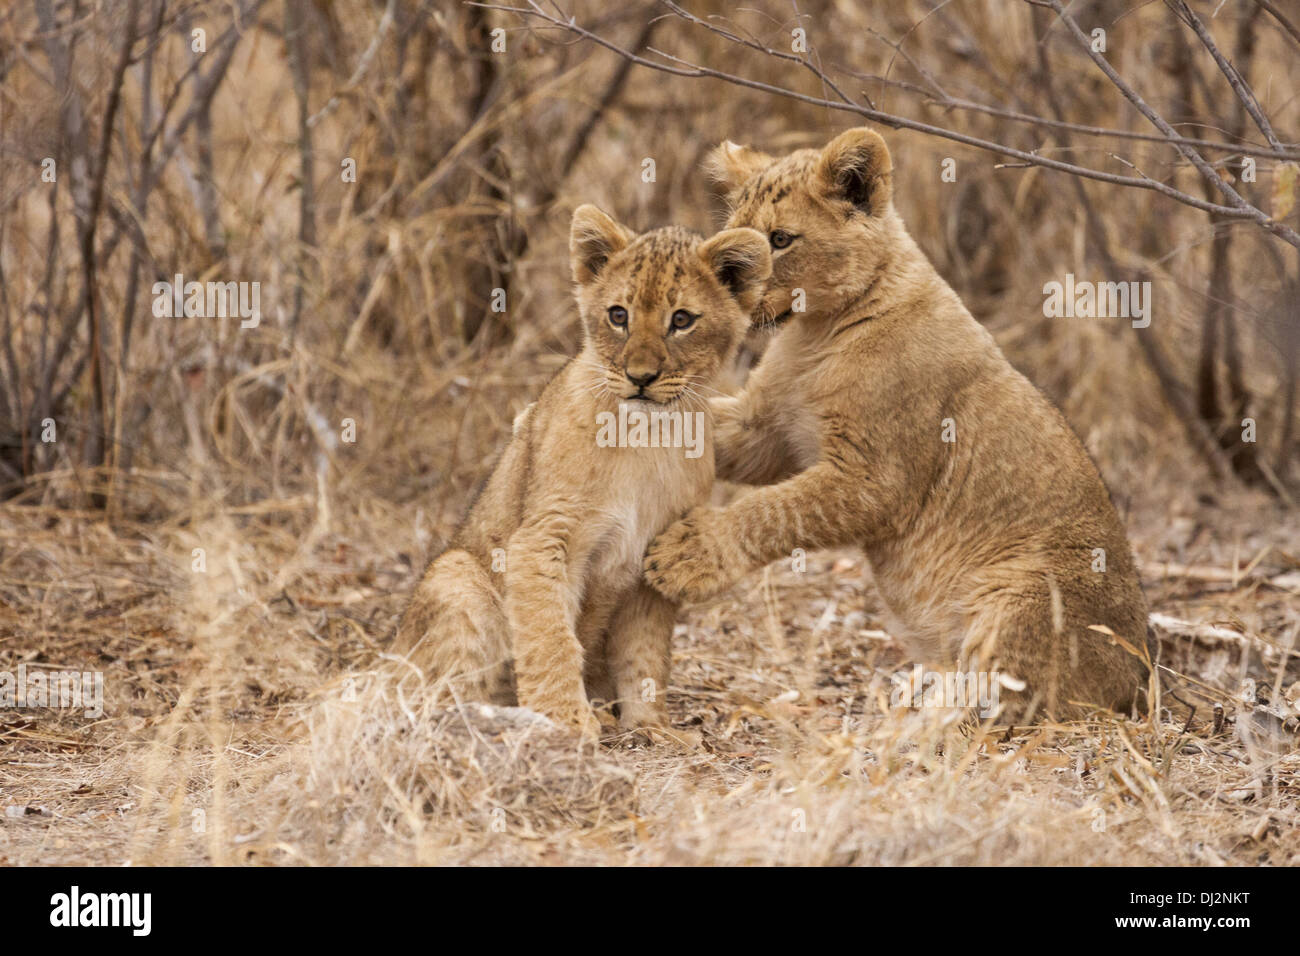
(856, 166)
(593, 239)
(742, 261)
(731, 166)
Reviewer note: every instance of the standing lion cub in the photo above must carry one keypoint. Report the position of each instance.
(539, 597)
(883, 415)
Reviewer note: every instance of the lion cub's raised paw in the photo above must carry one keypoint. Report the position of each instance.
(689, 562)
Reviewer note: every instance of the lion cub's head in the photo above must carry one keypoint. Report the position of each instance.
(827, 214)
(663, 310)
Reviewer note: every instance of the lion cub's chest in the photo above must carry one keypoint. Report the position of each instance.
(781, 389)
(647, 489)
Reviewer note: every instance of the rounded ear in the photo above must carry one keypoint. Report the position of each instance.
(742, 262)
(856, 166)
(732, 166)
(593, 238)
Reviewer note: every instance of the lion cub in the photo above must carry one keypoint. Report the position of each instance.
(539, 597)
(883, 415)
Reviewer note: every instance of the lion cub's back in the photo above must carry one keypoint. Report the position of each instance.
(500, 506)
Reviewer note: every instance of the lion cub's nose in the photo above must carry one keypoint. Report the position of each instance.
(641, 381)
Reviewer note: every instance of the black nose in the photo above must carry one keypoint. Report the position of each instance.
(641, 381)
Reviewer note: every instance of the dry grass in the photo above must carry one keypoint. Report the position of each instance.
(263, 706)
(246, 718)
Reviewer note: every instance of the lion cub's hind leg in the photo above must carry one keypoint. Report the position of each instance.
(639, 654)
(598, 610)
(455, 630)
(1068, 669)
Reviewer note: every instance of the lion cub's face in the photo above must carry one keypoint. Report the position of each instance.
(663, 310)
(826, 213)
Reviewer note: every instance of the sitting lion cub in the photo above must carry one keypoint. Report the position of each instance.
(545, 571)
(883, 415)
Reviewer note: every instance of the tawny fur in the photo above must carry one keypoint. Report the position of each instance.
(539, 597)
(984, 547)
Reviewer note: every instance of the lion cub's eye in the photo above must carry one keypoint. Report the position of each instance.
(682, 320)
(780, 238)
(618, 316)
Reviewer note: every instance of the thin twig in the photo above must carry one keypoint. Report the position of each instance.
(1235, 79)
(1239, 210)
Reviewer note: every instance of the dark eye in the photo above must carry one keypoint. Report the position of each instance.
(780, 238)
(683, 320)
(618, 317)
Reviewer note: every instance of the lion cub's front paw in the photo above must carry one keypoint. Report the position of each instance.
(609, 725)
(690, 561)
(588, 725)
(576, 716)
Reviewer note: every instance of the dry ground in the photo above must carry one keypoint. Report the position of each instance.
(247, 722)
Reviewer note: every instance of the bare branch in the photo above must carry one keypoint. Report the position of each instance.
(949, 102)
(753, 45)
(1195, 158)
(87, 239)
(1292, 30)
(1239, 209)
(1235, 79)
